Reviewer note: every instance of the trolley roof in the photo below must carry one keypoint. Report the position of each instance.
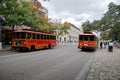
(33, 31)
(88, 33)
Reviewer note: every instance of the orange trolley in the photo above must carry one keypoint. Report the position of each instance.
(28, 39)
(88, 40)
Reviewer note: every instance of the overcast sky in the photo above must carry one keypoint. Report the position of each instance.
(77, 11)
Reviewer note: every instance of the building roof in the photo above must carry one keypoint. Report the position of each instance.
(75, 27)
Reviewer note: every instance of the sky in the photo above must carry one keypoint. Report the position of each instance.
(77, 11)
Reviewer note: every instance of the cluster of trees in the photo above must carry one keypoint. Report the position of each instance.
(17, 13)
(21, 12)
(109, 24)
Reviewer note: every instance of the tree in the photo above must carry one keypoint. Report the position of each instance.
(35, 7)
(64, 28)
(59, 28)
(111, 20)
(86, 26)
(17, 12)
(90, 26)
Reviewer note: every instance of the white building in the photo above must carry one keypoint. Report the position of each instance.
(72, 36)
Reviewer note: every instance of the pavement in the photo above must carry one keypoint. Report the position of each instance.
(105, 66)
(6, 48)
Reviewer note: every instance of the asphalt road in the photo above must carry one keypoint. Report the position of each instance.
(64, 62)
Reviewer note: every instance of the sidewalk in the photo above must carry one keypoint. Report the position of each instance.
(6, 48)
(106, 65)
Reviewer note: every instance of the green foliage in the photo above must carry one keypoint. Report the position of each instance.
(20, 12)
(105, 35)
(17, 12)
(112, 21)
(89, 26)
(86, 26)
(109, 23)
(64, 28)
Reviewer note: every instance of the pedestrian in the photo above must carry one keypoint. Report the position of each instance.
(105, 44)
(2, 43)
(101, 45)
(110, 46)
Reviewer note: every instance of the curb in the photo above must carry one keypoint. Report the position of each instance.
(2, 50)
(5, 49)
(83, 74)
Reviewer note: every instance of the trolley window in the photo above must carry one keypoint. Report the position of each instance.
(86, 38)
(29, 36)
(91, 38)
(20, 35)
(81, 37)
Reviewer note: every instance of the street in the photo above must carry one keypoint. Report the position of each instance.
(63, 62)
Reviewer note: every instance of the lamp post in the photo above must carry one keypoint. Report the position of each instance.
(2, 19)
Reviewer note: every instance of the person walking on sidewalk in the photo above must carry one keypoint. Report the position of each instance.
(3, 43)
(101, 45)
(105, 44)
(110, 46)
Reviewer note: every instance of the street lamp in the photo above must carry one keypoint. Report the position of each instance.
(2, 19)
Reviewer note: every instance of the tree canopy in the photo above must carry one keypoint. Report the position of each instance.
(20, 12)
(16, 12)
(109, 24)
